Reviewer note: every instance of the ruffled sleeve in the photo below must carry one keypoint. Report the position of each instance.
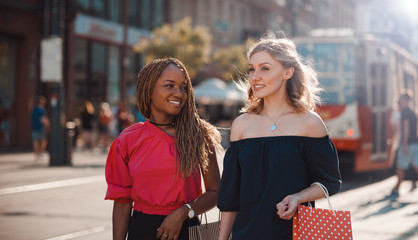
(228, 199)
(322, 162)
(118, 178)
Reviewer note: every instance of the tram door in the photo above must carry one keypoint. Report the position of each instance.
(378, 78)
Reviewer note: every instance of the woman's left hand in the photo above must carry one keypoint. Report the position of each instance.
(171, 226)
(287, 207)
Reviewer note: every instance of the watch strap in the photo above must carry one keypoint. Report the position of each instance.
(188, 206)
(190, 209)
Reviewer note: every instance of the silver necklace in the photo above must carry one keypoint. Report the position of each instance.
(274, 125)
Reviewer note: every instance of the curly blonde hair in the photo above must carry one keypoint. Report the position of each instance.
(195, 138)
(301, 89)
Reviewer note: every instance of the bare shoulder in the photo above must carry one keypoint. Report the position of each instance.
(239, 125)
(314, 126)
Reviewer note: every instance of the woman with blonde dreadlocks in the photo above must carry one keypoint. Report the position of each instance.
(154, 166)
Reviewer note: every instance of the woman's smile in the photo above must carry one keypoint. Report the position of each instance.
(258, 87)
(175, 103)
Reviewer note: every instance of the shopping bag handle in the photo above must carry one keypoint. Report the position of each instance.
(206, 218)
(325, 190)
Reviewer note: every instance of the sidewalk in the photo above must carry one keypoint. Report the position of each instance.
(74, 206)
(20, 173)
(18, 169)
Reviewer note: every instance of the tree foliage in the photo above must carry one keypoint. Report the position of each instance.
(232, 61)
(191, 45)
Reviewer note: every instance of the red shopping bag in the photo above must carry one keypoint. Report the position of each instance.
(321, 224)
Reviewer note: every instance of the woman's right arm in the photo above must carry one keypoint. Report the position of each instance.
(228, 219)
(120, 219)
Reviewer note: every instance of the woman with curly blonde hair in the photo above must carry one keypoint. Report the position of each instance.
(157, 164)
(279, 147)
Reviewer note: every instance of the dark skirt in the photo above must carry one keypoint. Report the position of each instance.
(144, 226)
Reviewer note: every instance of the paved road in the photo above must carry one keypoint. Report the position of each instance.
(38, 202)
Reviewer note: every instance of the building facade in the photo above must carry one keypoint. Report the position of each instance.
(98, 61)
(20, 35)
(335, 14)
(233, 21)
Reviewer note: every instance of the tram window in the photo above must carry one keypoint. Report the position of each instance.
(378, 75)
(361, 95)
(383, 133)
(383, 81)
(330, 97)
(337, 68)
(383, 97)
(329, 82)
(373, 81)
(325, 57)
(374, 133)
(349, 98)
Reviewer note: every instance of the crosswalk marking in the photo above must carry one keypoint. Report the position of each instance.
(54, 184)
(78, 234)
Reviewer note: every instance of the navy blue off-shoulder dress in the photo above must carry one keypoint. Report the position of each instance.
(259, 172)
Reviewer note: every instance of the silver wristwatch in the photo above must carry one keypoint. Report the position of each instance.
(191, 211)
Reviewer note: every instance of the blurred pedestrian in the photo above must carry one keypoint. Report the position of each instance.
(40, 125)
(87, 121)
(105, 116)
(156, 164)
(124, 118)
(395, 123)
(408, 152)
(279, 148)
(77, 134)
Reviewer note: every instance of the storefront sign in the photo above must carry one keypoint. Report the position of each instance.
(103, 30)
(98, 29)
(51, 60)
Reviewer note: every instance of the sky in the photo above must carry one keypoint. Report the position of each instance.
(409, 8)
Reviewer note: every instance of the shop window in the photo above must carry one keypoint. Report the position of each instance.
(134, 8)
(98, 75)
(115, 10)
(99, 8)
(157, 9)
(83, 5)
(134, 65)
(80, 59)
(113, 73)
(80, 65)
(8, 51)
(98, 57)
(146, 16)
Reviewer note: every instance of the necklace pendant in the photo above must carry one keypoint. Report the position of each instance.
(273, 127)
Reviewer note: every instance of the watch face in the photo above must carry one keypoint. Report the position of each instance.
(191, 213)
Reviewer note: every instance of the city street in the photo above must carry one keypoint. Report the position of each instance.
(39, 202)
(78, 72)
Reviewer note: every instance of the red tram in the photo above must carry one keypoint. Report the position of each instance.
(361, 79)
